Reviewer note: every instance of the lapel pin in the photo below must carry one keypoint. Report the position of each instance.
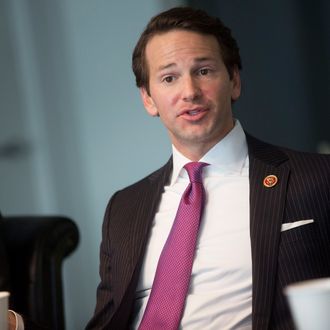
(270, 181)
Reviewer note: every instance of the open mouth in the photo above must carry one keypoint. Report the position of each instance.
(194, 112)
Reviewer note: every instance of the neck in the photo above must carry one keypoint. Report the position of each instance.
(195, 151)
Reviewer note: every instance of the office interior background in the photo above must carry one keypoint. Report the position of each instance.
(72, 123)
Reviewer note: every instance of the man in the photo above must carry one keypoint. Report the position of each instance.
(265, 221)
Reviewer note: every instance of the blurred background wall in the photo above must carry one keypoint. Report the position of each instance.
(72, 124)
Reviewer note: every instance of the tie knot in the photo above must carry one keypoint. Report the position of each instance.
(194, 170)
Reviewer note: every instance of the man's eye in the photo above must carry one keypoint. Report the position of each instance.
(168, 79)
(204, 72)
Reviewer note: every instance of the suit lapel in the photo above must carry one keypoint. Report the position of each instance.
(266, 216)
(131, 236)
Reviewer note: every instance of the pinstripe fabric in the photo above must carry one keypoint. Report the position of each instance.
(302, 253)
(123, 241)
(278, 258)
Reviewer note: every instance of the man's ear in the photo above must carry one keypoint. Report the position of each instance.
(148, 102)
(236, 84)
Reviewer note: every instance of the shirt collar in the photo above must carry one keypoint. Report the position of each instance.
(228, 156)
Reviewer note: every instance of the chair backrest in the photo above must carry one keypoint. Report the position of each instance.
(36, 247)
(4, 268)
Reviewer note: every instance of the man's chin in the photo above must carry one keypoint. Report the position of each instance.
(194, 140)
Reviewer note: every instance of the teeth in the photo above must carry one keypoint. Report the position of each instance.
(194, 112)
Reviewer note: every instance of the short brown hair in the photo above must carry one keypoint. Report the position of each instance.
(184, 18)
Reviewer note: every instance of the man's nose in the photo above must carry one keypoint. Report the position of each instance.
(190, 89)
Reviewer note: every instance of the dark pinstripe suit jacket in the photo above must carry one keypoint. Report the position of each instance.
(278, 258)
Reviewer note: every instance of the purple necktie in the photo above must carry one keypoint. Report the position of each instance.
(169, 289)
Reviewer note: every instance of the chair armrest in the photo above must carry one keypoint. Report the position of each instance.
(36, 247)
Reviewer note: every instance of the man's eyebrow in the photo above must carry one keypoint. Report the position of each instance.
(204, 59)
(166, 66)
(196, 60)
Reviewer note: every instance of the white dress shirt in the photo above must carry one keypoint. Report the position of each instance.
(220, 293)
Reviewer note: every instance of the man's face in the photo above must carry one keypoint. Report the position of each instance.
(190, 90)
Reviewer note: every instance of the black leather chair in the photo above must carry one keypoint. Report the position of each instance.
(35, 247)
